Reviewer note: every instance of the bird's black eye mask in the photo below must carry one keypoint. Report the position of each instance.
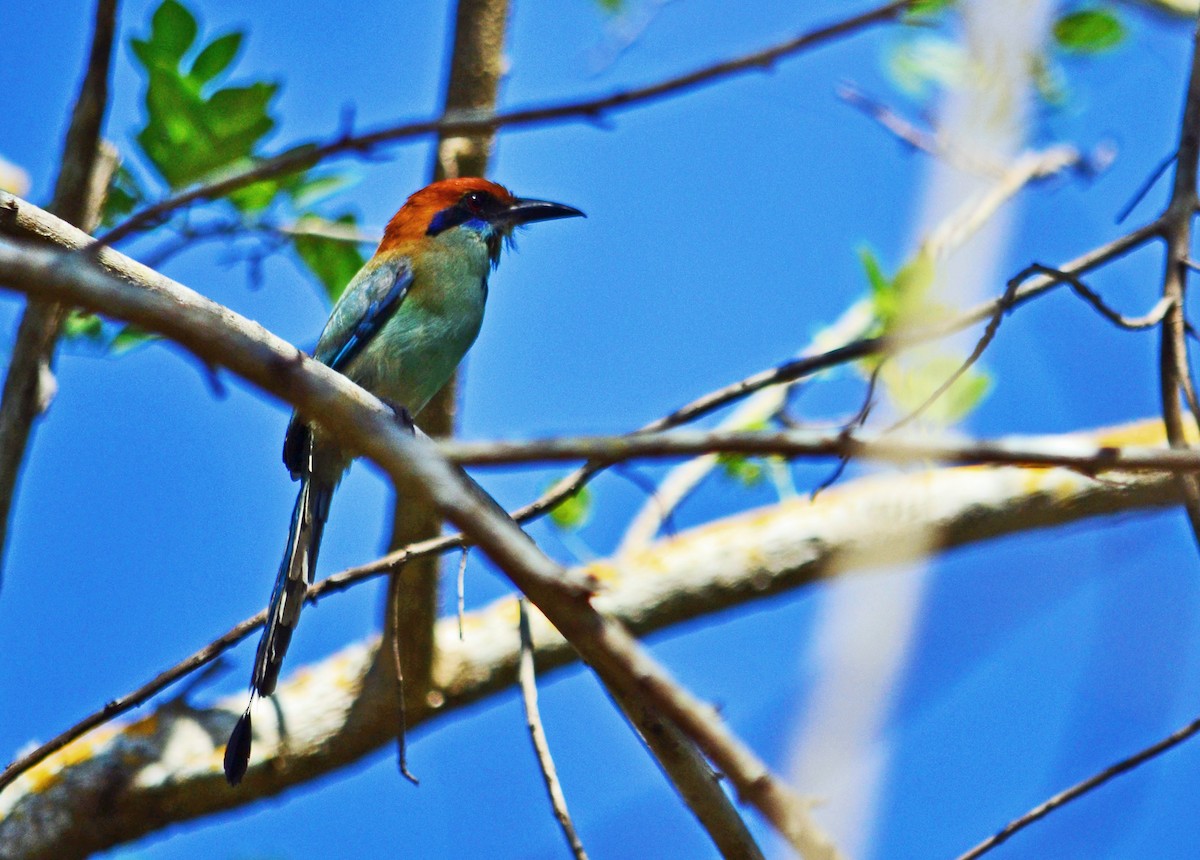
(473, 206)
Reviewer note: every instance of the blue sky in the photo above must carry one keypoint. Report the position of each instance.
(722, 234)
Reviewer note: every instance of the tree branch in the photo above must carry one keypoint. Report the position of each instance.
(364, 426)
(82, 183)
(467, 123)
(339, 709)
(1174, 370)
(1031, 451)
(472, 84)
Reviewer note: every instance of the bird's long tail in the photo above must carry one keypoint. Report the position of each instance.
(287, 599)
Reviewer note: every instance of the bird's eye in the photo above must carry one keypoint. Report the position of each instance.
(475, 201)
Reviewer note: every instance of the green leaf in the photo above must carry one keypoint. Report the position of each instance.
(917, 64)
(215, 57)
(130, 337)
(124, 195)
(747, 471)
(83, 326)
(307, 190)
(172, 30)
(333, 261)
(189, 135)
(911, 385)
(923, 9)
(879, 283)
(915, 277)
(1089, 31)
(612, 7)
(574, 511)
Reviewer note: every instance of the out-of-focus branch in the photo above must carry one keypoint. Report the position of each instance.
(83, 177)
(591, 110)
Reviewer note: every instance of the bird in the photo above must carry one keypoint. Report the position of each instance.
(399, 330)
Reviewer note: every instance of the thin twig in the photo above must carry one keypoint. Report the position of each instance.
(855, 423)
(1174, 371)
(401, 705)
(912, 135)
(1079, 789)
(462, 583)
(1144, 189)
(527, 676)
(133, 699)
(1154, 317)
(466, 123)
(884, 446)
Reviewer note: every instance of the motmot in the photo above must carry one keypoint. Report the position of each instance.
(399, 330)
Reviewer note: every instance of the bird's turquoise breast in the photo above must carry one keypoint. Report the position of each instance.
(420, 346)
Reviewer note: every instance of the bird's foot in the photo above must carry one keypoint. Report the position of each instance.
(403, 416)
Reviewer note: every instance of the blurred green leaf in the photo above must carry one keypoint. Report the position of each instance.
(333, 261)
(876, 279)
(1049, 80)
(313, 189)
(917, 64)
(911, 385)
(612, 7)
(79, 325)
(573, 512)
(130, 337)
(747, 471)
(926, 9)
(124, 195)
(1089, 31)
(172, 29)
(904, 298)
(215, 57)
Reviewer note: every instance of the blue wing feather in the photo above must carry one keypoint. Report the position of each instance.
(367, 303)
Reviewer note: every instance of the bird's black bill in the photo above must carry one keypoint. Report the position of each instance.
(524, 211)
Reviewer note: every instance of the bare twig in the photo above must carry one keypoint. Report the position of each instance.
(884, 446)
(469, 123)
(527, 676)
(1174, 370)
(1079, 789)
(913, 135)
(82, 182)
